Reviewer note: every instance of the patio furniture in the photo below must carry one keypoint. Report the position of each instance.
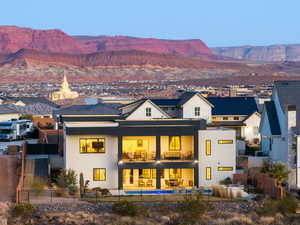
(141, 183)
(172, 155)
(173, 182)
(149, 183)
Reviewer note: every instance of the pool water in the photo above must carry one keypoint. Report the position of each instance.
(161, 192)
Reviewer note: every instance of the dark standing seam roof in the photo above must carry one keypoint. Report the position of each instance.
(98, 109)
(272, 117)
(165, 102)
(233, 105)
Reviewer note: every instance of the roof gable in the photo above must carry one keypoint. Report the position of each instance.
(142, 104)
(184, 98)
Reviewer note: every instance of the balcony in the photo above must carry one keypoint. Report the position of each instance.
(138, 148)
(180, 148)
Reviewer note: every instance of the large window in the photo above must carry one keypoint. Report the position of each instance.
(99, 174)
(92, 145)
(175, 173)
(208, 173)
(148, 112)
(147, 173)
(208, 147)
(174, 143)
(197, 111)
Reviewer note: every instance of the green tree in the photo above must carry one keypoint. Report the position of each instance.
(279, 172)
(67, 178)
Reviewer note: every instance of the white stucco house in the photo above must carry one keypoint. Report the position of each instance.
(280, 126)
(140, 146)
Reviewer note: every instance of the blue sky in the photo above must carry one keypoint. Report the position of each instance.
(216, 22)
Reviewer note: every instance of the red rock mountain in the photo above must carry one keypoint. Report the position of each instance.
(13, 38)
(185, 47)
(109, 59)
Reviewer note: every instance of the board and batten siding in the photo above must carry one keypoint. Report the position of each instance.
(140, 112)
(188, 109)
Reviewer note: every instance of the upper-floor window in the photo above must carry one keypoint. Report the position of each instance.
(214, 118)
(225, 117)
(92, 145)
(148, 111)
(174, 143)
(236, 118)
(197, 111)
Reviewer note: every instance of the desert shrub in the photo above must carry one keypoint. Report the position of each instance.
(287, 205)
(126, 208)
(163, 207)
(67, 178)
(73, 190)
(37, 186)
(61, 192)
(24, 210)
(226, 181)
(271, 207)
(191, 209)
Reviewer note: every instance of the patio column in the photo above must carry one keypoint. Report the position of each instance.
(120, 148)
(196, 176)
(120, 178)
(158, 173)
(157, 155)
(196, 146)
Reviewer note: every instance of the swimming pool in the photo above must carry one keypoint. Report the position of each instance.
(162, 192)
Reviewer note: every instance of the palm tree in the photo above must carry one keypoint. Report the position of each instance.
(278, 172)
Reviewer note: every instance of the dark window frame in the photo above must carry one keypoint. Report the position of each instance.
(98, 141)
(148, 111)
(197, 111)
(99, 169)
(180, 145)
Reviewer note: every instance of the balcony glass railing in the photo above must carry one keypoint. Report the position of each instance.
(138, 156)
(177, 155)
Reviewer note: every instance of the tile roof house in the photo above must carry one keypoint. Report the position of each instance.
(280, 126)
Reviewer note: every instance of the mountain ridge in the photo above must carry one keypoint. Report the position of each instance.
(269, 53)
